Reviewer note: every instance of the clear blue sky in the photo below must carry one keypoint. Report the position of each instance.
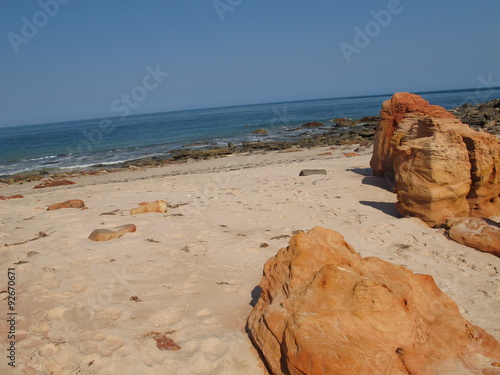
(89, 53)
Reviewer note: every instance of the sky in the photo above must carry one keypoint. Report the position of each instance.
(63, 60)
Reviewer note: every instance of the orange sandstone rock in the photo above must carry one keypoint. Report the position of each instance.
(73, 203)
(111, 234)
(393, 111)
(145, 207)
(477, 233)
(442, 167)
(326, 310)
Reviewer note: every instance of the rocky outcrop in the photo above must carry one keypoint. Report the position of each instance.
(432, 170)
(111, 234)
(51, 183)
(73, 203)
(326, 310)
(312, 124)
(392, 113)
(2, 198)
(482, 116)
(145, 207)
(475, 232)
(442, 167)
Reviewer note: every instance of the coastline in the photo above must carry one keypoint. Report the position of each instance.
(195, 268)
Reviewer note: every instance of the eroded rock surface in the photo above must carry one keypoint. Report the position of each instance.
(326, 310)
(442, 167)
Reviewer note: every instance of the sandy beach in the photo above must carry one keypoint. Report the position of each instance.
(191, 273)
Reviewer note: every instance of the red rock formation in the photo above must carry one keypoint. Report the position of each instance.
(432, 170)
(326, 310)
(477, 233)
(442, 167)
(2, 198)
(73, 203)
(111, 234)
(145, 207)
(393, 111)
(51, 183)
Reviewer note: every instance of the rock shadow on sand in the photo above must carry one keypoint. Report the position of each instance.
(370, 179)
(255, 295)
(388, 208)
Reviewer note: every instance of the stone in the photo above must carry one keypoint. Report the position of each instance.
(432, 172)
(163, 342)
(2, 198)
(312, 124)
(260, 132)
(145, 207)
(393, 111)
(111, 234)
(73, 203)
(323, 309)
(351, 154)
(310, 172)
(52, 183)
(481, 234)
(442, 168)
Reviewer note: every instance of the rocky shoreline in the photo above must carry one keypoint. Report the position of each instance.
(343, 131)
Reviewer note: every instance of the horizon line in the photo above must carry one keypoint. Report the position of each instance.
(254, 104)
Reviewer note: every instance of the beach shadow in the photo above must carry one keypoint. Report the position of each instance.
(386, 207)
(256, 292)
(370, 179)
(255, 295)
(362, 171)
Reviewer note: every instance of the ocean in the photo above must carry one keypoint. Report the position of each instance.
(109, 142)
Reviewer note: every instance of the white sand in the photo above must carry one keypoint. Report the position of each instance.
(196, 279)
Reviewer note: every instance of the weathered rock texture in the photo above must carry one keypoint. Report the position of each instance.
(111, 234)
(393, 111)
(51, 183)
(145, 207)
(477, 233)
(326, 310)
(442, 167)
(73, 203)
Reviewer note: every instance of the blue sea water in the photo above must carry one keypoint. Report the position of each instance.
(86, 143)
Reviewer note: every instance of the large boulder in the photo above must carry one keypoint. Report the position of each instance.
(324, 309)
(393, 111)
(442, 167)
(432, 170)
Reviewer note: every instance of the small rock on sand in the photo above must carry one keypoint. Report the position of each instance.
(111, 234)
(145, 207)
(310, 172)
(73, 203)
